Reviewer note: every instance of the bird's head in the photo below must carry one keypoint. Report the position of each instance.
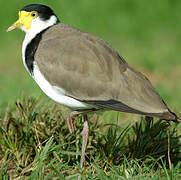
(34, 17)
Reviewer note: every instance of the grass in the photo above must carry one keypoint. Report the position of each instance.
(35, 142)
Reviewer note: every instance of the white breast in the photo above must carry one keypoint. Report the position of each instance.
(55, 93)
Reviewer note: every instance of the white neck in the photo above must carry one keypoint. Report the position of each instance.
(37, 25)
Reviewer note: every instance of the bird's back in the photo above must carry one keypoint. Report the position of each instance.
(89, 70)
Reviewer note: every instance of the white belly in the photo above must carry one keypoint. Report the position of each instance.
(57, 94)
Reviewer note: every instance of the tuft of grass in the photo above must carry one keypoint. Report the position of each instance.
(154, 139)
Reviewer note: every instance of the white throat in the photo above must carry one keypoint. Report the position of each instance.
(37, 25)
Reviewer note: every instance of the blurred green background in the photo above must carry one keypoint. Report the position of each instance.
(146, 33)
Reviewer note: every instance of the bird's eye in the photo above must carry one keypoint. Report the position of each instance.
(34, 14)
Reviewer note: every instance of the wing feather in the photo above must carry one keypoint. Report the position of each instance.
(89, 70)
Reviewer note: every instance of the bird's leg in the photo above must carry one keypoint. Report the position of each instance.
(85, 136)
(71, 117)
(70, 120)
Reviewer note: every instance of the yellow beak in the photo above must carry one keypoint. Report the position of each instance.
(17, 24)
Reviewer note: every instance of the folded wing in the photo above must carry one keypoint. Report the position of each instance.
(89, 70)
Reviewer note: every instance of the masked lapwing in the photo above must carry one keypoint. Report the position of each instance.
(83, 72)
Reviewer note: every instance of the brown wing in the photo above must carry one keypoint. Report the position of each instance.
(89, 70)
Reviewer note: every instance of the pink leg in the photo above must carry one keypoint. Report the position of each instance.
(85, 136)
(70, 120)
(71, 117)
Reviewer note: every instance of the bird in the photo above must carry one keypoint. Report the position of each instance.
(83, 72)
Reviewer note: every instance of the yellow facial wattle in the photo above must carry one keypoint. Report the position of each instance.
(25, 18)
